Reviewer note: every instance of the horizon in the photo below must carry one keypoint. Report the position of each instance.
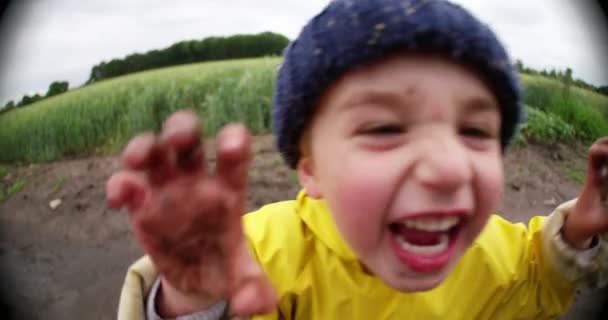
(122, 30)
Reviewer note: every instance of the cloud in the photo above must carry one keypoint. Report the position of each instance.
(551, 34)
(515, 14)
(47, 40)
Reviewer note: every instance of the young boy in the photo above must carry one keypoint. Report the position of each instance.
(395, 115)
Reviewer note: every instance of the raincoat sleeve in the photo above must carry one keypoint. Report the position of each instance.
(584, 268)
(539, 270)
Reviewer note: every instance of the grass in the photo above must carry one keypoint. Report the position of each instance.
(14, 188)
(576, 175)
(3, 172)
(59, 184)
(102, 117)
(583, 110)
(544, 127)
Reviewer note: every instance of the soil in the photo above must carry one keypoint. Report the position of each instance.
(69, 262)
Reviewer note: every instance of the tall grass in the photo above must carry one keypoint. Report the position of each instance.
(102, 117)
(584, 110)
(546, 128)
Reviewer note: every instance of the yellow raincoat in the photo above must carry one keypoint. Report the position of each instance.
(503, 275)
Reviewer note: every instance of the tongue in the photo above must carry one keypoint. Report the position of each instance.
(417, 236)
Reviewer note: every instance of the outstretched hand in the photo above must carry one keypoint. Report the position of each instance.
(188, 220)
(590, 215)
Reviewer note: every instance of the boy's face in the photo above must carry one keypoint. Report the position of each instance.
(406, 152)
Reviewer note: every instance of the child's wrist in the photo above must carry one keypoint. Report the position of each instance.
(575, 236)
(172, 302)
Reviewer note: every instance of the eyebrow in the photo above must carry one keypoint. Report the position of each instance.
(480, 104)
(389, 99)
(382, 98)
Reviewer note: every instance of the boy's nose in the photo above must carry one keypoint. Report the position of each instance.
(443, 165)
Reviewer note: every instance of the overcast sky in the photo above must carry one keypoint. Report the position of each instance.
(46, 40)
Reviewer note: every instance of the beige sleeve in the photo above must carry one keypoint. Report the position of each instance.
(584, 268)
(138, 282)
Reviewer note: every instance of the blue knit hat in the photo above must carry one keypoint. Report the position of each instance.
(348, 33)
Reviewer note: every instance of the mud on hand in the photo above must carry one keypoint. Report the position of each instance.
(188, 220)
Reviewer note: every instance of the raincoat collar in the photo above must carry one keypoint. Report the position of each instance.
(317, 216)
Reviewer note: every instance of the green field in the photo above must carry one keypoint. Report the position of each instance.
(584, 110)
(100, 118)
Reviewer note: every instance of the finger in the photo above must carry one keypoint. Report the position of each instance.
(599, 153)
(161, 165)
(125, 188)
(602, 140)
(233, 155)
(144, 152)
(181, 132)
(598, 162)
(254, 293)
(137, 153)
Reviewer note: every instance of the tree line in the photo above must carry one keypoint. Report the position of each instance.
(208, 49)
(231, 47)
(55, 88)
(564, 76)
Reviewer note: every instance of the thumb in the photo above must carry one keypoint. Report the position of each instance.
(254, 293)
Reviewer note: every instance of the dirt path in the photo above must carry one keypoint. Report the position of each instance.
(69, 263)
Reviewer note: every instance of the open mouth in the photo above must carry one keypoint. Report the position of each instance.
(425, 243)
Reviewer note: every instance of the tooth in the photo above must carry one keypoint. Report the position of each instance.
(451, 221)
(431, 224)
(421, 224)
(441, 246)
(437, 225)
(428, 225)
(446, 224)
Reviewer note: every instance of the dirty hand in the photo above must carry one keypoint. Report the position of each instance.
(590, 215)
(188, 220)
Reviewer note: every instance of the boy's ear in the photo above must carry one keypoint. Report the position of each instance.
(307, 178)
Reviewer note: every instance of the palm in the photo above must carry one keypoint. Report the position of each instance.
(190, 247)
(187, 220)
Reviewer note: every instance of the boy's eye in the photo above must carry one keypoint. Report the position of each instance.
(384, 130)
(475, 132)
